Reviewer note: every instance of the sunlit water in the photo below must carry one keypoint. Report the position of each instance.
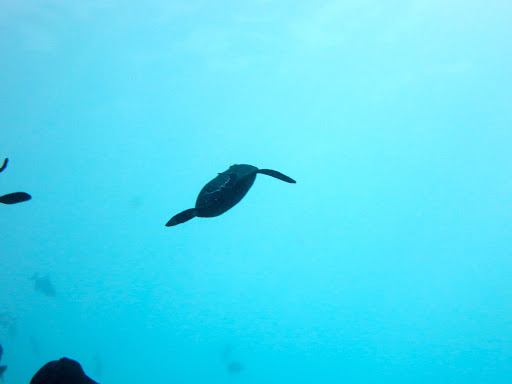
(388, 262)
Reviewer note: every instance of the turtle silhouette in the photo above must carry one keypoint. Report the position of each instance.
(15, 197)
(224, 192)
(63, 371)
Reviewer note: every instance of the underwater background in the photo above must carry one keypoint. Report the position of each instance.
(390, 260)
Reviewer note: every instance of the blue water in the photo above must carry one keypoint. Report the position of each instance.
(390, 260)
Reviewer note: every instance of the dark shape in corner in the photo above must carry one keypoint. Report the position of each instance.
(224, 192)
(63, 371)
(2, 367)
(16, 197)
(43, 285)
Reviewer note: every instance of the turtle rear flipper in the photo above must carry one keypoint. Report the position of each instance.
(14, 198)
(277, 175)
(182, 217)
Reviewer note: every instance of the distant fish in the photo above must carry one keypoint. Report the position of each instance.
(235, 367)
(15, 197)
(8, 322)
(43, 285)
(63, 371)
(232, 366)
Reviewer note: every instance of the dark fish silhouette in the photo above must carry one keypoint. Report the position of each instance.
(235, 367)
(2, 367)
(16, 197)
(43, 285)
(63, 371)
(224, 192)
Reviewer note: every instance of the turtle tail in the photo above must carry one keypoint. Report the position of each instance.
(277, 175)
(182, 217)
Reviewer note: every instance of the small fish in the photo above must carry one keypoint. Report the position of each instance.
(43, 285)
(15, 198)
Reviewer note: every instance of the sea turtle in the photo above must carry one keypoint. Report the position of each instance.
(224, 192)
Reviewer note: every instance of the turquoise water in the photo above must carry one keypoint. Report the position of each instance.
(388, 262)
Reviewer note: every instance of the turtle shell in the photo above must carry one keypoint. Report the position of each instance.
(226, 190)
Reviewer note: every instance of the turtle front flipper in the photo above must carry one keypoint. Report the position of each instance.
(277, 175)
(4, 165)
(14, 198)
(182, 217)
